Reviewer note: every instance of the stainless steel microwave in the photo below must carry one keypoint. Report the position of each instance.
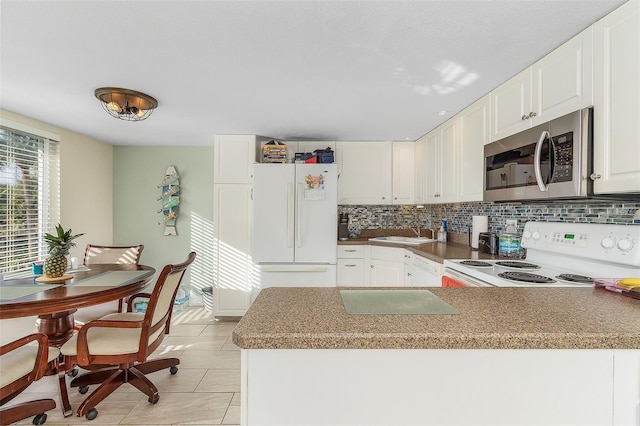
(549, 161)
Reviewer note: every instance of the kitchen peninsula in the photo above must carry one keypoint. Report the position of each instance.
(511, 356)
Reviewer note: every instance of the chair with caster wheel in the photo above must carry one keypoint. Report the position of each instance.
(22, 362)
(115, 347)
(97, 254)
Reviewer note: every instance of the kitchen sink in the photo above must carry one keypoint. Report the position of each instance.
(403, 240)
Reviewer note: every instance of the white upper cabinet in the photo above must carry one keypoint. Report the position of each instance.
(233, 157)
(403, 173)
(365, 172)
(473, 123)
(563, 80)
(511, 106)
(431, 168)
(556, 85)
(420, 166)
(616, 159)
(441, 164)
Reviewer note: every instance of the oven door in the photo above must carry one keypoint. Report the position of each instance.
(461, 279)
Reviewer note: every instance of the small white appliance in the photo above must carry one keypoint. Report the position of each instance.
(295, 213)
(558, 255)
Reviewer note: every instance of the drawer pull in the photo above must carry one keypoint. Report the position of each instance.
(350, 251)
(350, 266)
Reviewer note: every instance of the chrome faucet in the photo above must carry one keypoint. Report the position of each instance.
(433, 232)
(416, 231)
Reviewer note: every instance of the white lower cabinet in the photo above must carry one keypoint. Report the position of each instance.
(353, 266)
(387, 267)
(398, 267)
(386, 273)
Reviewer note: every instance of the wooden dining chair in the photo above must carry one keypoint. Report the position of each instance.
(22, 362)
(115, 347)
(98, 254)
(130, 255)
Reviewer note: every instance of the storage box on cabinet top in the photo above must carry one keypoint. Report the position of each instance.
(274, 152)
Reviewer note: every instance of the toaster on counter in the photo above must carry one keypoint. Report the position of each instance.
(488, 242)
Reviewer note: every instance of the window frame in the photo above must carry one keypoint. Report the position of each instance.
(18, 265)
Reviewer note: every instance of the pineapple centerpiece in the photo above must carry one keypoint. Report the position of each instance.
(55, 264)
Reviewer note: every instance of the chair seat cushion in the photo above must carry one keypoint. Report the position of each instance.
(109, 341)
(20, 362)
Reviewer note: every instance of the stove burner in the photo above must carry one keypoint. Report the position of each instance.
(575, 278)
(517, 264)
(526, 277)
(476, 263)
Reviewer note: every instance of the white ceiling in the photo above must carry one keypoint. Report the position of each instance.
(329, 70)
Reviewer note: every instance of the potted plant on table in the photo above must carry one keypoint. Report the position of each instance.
(55, 264)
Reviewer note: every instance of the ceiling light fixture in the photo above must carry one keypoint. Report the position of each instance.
(126, 104)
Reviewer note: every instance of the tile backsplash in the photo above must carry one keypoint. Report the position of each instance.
(459, 215)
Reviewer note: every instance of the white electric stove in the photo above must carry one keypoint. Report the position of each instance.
(558, 255)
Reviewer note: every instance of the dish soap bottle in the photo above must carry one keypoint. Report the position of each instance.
(442, 232)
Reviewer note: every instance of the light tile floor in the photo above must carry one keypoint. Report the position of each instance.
(205, 391)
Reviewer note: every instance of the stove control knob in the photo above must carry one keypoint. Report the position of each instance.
(625, 245)
(536, 235)
(608, 243)
(526, 235)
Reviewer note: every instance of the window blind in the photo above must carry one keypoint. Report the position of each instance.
(29, 198)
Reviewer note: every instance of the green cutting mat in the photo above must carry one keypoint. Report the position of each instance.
(395, 302)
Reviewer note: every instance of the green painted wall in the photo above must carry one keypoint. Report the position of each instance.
(137, 171)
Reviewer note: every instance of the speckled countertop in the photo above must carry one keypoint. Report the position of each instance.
(490, 318)
(456, 249)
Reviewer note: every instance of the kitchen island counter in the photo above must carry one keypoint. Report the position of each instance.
(543, 356)
(490, 318)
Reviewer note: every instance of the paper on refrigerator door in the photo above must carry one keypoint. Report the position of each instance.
(314, 188)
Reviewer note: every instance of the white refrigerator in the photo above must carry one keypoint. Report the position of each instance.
(295, 222)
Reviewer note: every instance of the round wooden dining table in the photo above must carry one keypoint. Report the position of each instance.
(55, 306)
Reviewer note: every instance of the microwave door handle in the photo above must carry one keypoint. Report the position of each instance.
(537, 160)
(552, 159)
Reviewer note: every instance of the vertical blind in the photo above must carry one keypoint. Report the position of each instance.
(29, 198)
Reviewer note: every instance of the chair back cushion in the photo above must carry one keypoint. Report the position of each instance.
(160, 305)
(21, 361)
(95, 254)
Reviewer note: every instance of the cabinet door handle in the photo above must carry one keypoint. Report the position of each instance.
(524, 117)
(532, 114)
(595, 176)
(383, 198)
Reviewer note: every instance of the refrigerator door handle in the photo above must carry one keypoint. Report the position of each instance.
(289, 212)
(299, 215)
